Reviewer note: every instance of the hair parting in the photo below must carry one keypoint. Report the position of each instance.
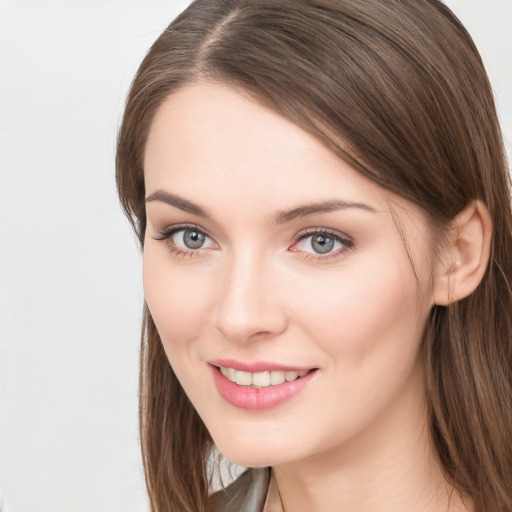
(398, 90)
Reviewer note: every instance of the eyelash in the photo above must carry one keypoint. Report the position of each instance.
(346, 242)
(167, 234)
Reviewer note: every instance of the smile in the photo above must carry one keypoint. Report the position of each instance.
(261, 379)
(260, 390)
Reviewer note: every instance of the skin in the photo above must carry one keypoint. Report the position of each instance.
(355, 438)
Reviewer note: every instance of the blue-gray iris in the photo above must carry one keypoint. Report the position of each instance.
(193, 239)
(322, 244)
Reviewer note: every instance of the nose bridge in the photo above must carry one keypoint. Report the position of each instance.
(247, 304)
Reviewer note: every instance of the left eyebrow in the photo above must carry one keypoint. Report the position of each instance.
(281, 217)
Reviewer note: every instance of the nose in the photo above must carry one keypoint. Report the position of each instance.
(249, 305)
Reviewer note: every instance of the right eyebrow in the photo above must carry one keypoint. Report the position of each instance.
(177, 202)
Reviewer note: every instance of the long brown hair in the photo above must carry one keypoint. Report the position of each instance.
(397, 89)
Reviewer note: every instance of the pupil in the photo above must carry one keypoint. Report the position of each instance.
(322, 244)
(193, 239)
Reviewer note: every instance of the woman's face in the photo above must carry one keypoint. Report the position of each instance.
(268, 257)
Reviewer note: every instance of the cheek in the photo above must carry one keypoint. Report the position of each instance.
(364, 313)
(178, 299)
(368, 324)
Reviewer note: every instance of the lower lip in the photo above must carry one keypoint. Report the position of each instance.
(258, 399)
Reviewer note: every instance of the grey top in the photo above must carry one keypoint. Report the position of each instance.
(246, 494)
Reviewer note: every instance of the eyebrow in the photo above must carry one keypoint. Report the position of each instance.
(280, 217)
(178, 202)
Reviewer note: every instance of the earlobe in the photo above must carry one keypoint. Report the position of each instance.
(464, 259)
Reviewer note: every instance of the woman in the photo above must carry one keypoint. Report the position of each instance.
(321, 192)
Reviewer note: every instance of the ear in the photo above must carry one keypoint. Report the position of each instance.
(463, 259)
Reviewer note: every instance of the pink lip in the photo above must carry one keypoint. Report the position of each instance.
(258, 399)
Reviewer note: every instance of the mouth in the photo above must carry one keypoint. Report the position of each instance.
(262, 379)
(261, 389)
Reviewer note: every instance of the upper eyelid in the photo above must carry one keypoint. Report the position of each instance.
(172, 229)
(317, 230)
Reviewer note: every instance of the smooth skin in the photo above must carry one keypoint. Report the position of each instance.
(228, 274)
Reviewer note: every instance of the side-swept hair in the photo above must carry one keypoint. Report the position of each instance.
(396, 89)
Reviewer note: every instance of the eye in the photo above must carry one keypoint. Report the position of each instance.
(190, 238)
(186, 239)
(322, 243)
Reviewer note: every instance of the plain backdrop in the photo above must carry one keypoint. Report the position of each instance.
(70, 287)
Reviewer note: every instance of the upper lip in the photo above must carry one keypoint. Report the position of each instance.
(257, 366)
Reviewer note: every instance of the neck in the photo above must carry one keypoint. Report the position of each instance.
(390, 467)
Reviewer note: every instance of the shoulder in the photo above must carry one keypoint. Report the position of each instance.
(247, 493)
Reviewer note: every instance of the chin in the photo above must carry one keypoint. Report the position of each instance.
(253, 453)
(251, 458)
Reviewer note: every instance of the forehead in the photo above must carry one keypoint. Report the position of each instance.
(207, 139)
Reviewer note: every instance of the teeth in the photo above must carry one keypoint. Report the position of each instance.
(277, 378)
(261, 379)
(289, 376)
(243, 378)
(229, 373)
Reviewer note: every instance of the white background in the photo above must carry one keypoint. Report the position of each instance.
(70, 289)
